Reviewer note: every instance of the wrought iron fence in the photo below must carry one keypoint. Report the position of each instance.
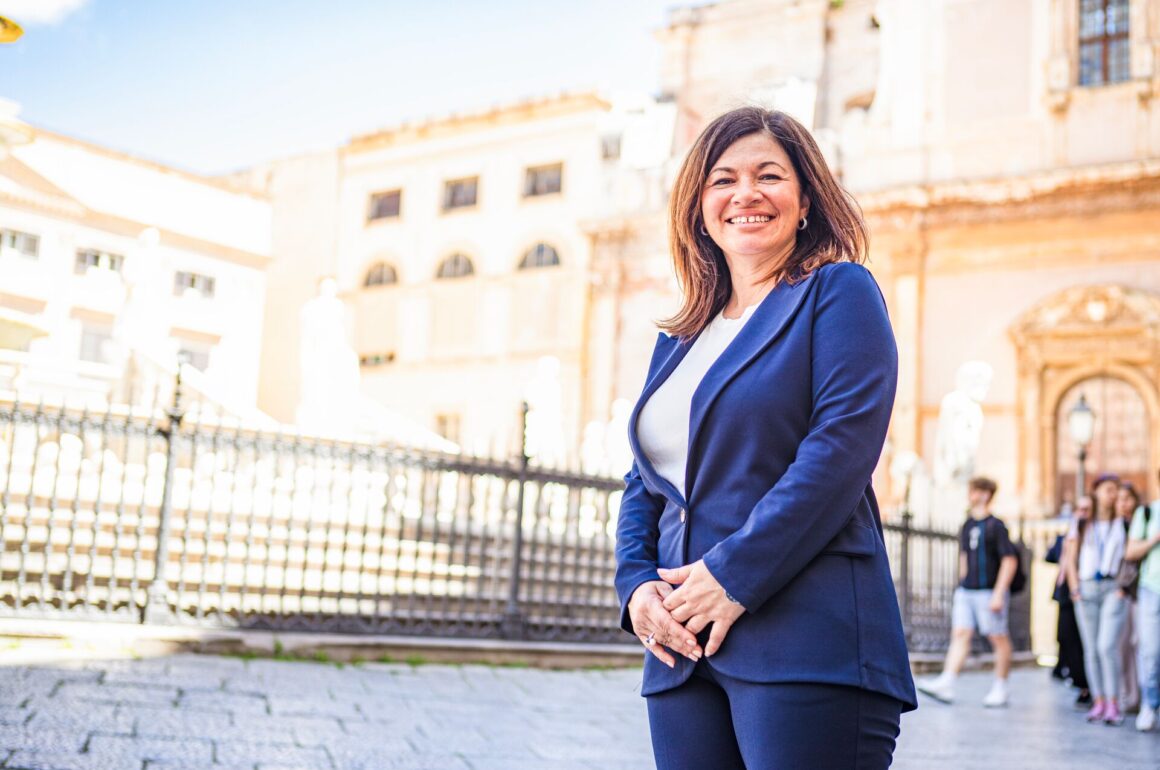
(131, 515)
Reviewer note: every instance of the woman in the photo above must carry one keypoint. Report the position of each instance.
(1067, 631)
(750, 558)
(1144, 547)
(1093, 558)
(1127, 501)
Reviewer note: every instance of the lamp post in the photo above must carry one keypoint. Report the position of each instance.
(1081, 422)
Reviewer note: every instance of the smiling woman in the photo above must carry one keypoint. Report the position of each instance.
(765, 167)
(748, 518)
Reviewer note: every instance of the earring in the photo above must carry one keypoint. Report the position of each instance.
(802, 224)
(704, 232)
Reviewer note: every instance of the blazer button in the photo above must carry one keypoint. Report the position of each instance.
(682, 515)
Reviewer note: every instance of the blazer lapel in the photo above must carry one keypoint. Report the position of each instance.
(675, 355)
(762, 328)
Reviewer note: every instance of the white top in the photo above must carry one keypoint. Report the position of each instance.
(663, 424)
(1102, 548)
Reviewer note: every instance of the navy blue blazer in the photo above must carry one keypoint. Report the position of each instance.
(785, 431)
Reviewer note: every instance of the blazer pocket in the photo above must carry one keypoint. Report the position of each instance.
(854, 539)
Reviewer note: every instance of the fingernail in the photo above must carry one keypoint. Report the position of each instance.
(691, 642)
(672, 665)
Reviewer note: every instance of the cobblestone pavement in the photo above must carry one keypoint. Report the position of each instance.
(206, 712)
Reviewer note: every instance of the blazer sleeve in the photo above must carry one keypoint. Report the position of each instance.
(637, 532)
(854, 372)
(638, 524)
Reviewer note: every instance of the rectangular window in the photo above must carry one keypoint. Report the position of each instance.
(384, 205)
(610, 146)
(25, 244)
(369, 360)
(543, 180)
(460, 193)
(185, 281)
(447, 426)
(96, 342)
(1103, 42)
(196, 354)
(92, 259)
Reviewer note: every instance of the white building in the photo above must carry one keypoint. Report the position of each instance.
(113, 266)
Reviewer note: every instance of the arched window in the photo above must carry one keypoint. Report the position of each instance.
(456, 266)
(380, 274)
(540, 255)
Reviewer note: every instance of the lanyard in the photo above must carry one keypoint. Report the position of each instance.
(1100, 543)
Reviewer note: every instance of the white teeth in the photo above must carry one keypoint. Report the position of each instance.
(748, 220)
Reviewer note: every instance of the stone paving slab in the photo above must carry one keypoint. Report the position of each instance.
(209, 713)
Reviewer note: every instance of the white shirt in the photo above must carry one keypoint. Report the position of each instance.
(663, 424)
(1102, 548)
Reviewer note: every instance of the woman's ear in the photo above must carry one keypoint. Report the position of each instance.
(805, 205)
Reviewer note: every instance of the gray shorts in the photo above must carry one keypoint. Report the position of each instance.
(972, 609)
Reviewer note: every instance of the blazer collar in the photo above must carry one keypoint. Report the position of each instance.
(763, 327)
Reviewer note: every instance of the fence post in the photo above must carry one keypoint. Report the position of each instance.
(156, 608)
(513, 626)
(904, 570)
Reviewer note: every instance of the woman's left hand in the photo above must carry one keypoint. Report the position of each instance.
(700, 600)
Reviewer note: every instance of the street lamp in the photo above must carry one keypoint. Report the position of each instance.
(1081, 422)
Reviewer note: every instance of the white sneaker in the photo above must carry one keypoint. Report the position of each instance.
(939, 688)
(997, 697)
(1146, 719)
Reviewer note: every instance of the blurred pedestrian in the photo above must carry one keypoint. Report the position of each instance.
(987, 564)
(1070, 665)
(1093, 560)
(1144, 546)
(1127, 501)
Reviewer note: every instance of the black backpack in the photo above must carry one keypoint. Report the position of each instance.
(1019, 579)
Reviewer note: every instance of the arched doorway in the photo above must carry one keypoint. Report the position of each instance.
(1121, 441)
(1101, 338)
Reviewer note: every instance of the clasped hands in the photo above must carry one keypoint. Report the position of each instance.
(664, 616)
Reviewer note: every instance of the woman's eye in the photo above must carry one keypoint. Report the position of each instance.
(770, 177)
(722, 180)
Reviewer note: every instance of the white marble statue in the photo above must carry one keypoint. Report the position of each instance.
(329, 398)
(545, 436)
(960, 426)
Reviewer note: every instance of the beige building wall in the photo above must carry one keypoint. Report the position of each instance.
(305, 245)
(459, 354)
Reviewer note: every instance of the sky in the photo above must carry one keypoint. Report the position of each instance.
(212, 86)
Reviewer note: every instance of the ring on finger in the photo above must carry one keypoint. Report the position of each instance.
(650, 640)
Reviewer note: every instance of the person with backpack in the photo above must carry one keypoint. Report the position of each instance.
(1093, 559)
(988, 563)
(1144, 547)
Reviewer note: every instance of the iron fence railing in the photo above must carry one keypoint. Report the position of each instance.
(139, 515)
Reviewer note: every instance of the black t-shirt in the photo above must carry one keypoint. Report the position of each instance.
(985, 542)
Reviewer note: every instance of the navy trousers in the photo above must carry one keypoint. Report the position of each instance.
(716, 721)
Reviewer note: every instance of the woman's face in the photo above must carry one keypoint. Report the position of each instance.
(1125, 504)
(1105, 495)
(752, 201)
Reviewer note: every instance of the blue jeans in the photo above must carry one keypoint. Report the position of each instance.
(1101, 613)
(1148, 634)
(716, 722)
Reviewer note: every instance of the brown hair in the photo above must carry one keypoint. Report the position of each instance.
(985, 484)
(835, 231)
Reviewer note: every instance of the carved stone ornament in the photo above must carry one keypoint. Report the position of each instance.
(1084, 310)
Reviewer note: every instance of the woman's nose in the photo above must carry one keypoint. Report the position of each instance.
(745, 192)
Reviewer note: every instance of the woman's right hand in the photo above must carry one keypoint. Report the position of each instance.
(655, 627)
